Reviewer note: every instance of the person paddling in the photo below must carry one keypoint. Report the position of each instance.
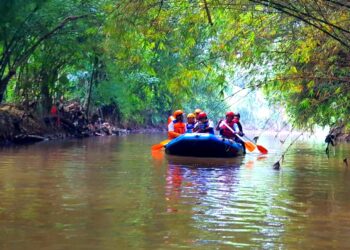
(236, 120)
(230, 127)
(239, 129)
(223, 129)
(190, 123)
(176, 127)
(197, 112)
(204, 125)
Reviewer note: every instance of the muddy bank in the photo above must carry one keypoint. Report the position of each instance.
(20, 126)
(17, 123)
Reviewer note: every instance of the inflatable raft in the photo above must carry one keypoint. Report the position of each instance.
(203, 145)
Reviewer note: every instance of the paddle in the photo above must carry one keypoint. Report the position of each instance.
(262, 149)
(160, 145)
(249, 145)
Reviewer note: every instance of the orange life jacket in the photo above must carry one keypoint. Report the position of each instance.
(179, 128)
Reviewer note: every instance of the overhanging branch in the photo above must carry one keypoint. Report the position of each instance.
(44, 37)
(208, 12)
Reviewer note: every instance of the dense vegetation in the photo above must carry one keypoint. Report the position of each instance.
(147, 58)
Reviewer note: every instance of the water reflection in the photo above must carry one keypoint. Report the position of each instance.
(217, 184)
(114, 193)
(223, 201)
(248, 204)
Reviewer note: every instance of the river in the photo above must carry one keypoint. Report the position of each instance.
(113, 193)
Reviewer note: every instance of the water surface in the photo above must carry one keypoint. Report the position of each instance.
(113, 193)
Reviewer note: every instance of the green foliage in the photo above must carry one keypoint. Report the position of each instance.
(150, 58)
(315, 89)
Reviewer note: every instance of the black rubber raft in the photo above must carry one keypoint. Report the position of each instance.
(203, 145)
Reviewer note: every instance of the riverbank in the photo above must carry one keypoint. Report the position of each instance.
(19, 125)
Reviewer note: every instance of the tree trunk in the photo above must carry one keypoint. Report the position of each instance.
(93, 73)
(4, 82)
(45, 97)
(27, 52)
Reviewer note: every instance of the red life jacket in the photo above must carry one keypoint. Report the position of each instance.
(53, 110)
(225, 132)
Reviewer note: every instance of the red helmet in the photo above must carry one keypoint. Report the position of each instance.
(230, 113)
(202, 115)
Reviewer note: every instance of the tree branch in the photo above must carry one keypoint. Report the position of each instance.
(276, 6)
(14, 41)
(30, 50)
(208, 12)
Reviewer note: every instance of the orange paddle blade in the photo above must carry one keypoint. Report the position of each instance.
(249, 145)
(160, 145)
(262, 149)
(157, 146)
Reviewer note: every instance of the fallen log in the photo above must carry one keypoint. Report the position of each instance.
(25, 139)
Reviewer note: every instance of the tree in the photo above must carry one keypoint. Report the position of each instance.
(25, 26)
(156, 56)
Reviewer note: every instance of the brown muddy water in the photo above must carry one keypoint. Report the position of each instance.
(113, 193)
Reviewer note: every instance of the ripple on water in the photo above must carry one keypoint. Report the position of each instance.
(111, 192)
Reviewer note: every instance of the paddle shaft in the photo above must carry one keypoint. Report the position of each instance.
(161, 144)
(250, 146)
(234, 132)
